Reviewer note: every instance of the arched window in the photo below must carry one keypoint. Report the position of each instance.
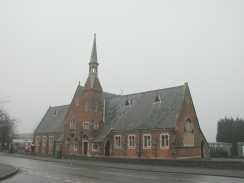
(164, 141)
(85, 138)
(188, 133)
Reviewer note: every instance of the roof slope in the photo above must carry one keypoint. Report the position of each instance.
(51, 122)
(142, 112)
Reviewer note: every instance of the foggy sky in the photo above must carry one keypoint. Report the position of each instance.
(45, 48)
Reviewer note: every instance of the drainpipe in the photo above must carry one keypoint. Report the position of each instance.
(140, 145)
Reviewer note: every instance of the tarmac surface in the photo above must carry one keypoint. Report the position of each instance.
(8, 170)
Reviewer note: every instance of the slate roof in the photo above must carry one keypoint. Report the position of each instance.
(143, 113)
(53, 123)
(60, 137)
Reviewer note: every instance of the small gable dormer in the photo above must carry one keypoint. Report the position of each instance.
(55, 113)
(157, 99)
(127, 103)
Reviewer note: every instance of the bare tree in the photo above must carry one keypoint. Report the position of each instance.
(8, 124)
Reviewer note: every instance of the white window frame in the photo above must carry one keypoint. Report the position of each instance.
(51, 141)
(165, 141)
(133, 140)
(95, 145)
(117, 141)
(72, 124)
(75, 144)
(44, 141)
(37, 140)
(84, 125)
(148, 142)
(95, 125)
(67, 143)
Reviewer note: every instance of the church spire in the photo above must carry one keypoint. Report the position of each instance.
(92, 81)
(93, 65)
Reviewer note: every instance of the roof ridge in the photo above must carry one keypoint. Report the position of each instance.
(145, 92)
(60, 105)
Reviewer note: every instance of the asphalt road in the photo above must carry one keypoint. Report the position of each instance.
(37, 171)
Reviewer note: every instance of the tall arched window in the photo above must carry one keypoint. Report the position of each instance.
(188, 133)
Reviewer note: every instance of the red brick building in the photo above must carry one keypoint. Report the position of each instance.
(50, 129)
(155, 124)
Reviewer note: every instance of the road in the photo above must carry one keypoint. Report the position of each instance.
(37, 171)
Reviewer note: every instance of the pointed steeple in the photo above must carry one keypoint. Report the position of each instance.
(92, 81)
(94, 51)
(93, 65)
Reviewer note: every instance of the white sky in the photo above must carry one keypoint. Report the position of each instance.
(45, 48)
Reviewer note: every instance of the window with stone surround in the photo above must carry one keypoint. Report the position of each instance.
(131, 141)
(164, 141)
(85, 125)
(44, 140)
(95, 125)
(51, 140)
(77, 101)
(146, 141)
(37, 140)
(94, 146)
(67, 143)
(72, 124)
(188, 134)
(117, 141)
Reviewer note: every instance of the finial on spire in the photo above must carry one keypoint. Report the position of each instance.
(79, 82)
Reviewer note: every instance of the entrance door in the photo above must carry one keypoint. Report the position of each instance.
(107, 148)
(85, 148)
(202, 149)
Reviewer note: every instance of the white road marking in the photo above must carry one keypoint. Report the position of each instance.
(47, 175)
(63, 167)
(130, 175)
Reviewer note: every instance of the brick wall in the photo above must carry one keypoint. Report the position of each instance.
(188, 112)
(89, 110)
(47, 148)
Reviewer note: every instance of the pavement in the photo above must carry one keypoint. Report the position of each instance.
(8, 170)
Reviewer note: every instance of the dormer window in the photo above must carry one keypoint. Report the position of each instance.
(127, 103)
(55, 113)
(157, 99)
